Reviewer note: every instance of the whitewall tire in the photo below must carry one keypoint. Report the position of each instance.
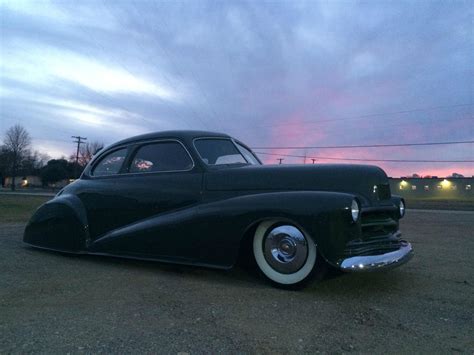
(284, 253)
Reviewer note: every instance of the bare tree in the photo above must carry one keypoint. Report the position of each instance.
(17, 141)
(86, 152)
(32, 163)
(39, 159)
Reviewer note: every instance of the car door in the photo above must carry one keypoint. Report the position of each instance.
(156, 179)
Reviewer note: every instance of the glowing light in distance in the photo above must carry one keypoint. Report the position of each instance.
(445, 184)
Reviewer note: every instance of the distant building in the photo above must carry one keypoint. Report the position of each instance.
(448, 188)
(23, 181)
(31, 181)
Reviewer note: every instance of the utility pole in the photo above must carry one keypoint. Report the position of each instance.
(313, 160)
(79, 140)
(280, 160)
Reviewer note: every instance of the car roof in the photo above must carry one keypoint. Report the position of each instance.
(177, 134)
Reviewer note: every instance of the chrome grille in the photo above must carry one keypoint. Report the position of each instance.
(378, 223)
(380, 234)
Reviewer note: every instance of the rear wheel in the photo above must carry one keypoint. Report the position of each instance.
(285, 254)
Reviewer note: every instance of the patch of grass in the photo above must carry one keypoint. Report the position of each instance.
(440, 204)
(17, 208)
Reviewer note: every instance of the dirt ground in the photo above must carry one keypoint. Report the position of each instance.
(51, 303)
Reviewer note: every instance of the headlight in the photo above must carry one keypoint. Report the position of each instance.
(355, 210)
(402, 208)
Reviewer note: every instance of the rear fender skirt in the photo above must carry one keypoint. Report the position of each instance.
(59, 224)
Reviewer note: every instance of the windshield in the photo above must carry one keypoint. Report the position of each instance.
(247, 153)
(221, 152)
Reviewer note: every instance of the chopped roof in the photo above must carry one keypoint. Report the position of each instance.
(179, 134)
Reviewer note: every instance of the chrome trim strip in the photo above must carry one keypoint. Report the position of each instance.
(377, 262)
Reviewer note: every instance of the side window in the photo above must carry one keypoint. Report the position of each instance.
(164, 156)
(111, 163)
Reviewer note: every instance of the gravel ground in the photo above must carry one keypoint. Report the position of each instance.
(51, 303)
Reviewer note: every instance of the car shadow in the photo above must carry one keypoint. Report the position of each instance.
(335, 282)
(235, 275)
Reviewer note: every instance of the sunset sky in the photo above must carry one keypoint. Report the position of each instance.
(284, 73)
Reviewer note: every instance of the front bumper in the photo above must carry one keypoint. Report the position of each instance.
(377, 262)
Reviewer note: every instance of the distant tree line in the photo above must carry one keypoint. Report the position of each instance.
(17, 159)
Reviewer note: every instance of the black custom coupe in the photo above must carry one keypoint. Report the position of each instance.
(204, 198)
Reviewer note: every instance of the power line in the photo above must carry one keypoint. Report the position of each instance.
(368, 145)
(301, 127)
(375, 126)
(50, 139)
(359, 117)
(372, 160)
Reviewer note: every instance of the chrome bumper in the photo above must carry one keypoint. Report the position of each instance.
(377, 262)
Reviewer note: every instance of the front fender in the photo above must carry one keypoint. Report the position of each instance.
(59, 224)
(325, 216)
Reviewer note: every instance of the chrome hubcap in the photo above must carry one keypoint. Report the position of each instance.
(285, 249)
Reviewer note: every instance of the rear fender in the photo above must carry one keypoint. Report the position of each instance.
(59, 224)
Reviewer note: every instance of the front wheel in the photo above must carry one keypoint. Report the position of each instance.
(285, 254)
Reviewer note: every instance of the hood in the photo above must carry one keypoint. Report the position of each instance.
(368, 182)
